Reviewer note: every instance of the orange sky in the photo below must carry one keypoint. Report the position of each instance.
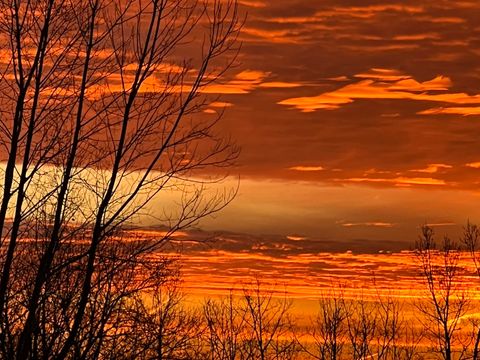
(302, 269)
(357, 121)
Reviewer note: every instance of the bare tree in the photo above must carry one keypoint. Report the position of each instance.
(412, 336)
(329, 329)
(268, 324)
(226, 328)
(100, 113)
(470, 239)
(446, 301)
(158, 325)
(362, 322)
(397, 337)
(254, 324)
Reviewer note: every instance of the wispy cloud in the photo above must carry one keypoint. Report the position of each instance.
(307, 168)
(475, 165)
(385, 84)
(398, 181)
(379, 224)
(465, 111)
(433, 168)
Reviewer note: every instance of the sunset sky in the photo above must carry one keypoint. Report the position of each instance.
(274, 179)
(358, 121)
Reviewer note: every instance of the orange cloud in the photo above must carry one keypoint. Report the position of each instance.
(383, 74)
(442, 19)
(217, 105)
(251, 75)
(243, 83)
(368, 11)
(253, 3)
(383, 84)
(247, 81)
(279, 84)
(370, 224)
(220, 104)
(360, 12)
(339, 78)
(306, 168)
(296, 237)
(433, 168)
(441, 224)
(465, 111)
(417, 37)
(274, 36)
(399, 181)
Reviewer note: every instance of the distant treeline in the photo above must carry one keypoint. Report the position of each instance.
(257, 322)
(138, 317)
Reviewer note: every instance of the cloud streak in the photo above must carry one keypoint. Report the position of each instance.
(385, 84)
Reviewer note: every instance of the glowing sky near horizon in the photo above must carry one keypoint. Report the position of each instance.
(357, 120)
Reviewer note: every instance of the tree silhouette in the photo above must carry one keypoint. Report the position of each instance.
(446, 300)
(101, 112)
